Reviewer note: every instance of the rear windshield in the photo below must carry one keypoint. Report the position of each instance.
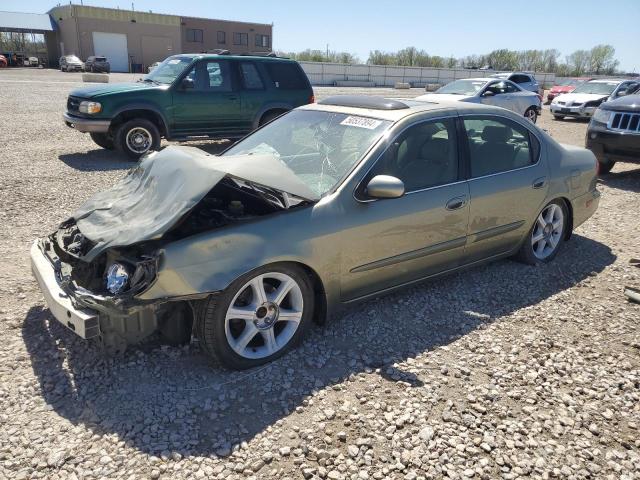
(100, 59)
(288, 76)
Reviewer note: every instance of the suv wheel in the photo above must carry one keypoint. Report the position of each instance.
(103, 140)
(269, 116)
(605, 165)
(137, 137)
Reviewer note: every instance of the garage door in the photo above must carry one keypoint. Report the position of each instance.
(114, 47)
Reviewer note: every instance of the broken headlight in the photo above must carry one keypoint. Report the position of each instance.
(117, 278)
(127, 276)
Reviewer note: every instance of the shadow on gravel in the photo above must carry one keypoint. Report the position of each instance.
(162, 400)
(97, 160)
(625, 180)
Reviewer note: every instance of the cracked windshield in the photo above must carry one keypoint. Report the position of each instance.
(319, 147)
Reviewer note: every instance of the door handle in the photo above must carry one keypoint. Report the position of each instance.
(456, 203)
(539, 182)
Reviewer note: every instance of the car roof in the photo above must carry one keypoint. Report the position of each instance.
(374, 106)
(212, 56)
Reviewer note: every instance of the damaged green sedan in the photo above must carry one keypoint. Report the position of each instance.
(329, 204)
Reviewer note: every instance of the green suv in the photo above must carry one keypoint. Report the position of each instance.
(186, 96)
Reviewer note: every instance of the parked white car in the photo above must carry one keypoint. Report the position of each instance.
(587, 97)
(526, 81)
(490, 91)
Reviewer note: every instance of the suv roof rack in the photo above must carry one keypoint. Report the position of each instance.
(217, 51)
(364, 101)
(260, 54)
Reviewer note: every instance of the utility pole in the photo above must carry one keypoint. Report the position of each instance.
(327, 52)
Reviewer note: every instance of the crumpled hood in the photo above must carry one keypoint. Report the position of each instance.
(164, 187)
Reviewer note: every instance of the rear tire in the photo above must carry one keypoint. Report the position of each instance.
(605, 165)
(261, 333)
(270, 116)
(103, 140)
(546, 235)
(137, 137)
(531, 114)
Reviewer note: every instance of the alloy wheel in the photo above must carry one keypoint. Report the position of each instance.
(264, 315)
(547, 232)
(139, 140)
(531, 115)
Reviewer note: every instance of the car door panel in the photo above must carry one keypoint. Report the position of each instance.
(211, 105)
(503, 204)
(400, 240)
(423, 232)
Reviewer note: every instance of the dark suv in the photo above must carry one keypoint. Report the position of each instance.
(97, 64)
(614, 132)
(190, 95)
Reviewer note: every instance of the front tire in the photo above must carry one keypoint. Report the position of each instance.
(558, 117)
(137, 137)
(546, 235)
(258, 318)
(102, 140)
(531, 114)
(605, 165)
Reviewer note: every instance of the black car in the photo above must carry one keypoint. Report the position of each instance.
(97, 64)
(614, 132)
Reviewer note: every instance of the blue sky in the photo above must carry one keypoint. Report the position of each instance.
(450, 27)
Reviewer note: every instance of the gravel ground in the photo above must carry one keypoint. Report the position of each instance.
(503, 371)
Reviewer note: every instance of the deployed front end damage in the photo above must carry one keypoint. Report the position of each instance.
(93, 269)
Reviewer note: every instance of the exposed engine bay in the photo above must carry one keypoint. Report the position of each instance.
(231, 201)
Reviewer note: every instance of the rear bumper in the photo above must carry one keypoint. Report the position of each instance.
(614, 146)
(86, 124)
(83, 322)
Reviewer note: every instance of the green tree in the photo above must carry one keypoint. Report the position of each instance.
(602, 60)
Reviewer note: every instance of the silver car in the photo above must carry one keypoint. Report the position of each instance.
(526, 81)
(489, 91)
(327, 205)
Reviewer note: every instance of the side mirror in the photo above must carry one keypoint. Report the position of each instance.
(488, 93)
(186, 84)
(385, 186)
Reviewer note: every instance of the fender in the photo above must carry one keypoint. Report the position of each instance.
(270, 106)
(145, 106)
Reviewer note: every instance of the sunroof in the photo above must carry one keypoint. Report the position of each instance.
(364, 101)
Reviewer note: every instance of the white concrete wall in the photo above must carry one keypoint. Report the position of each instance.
(387, 76)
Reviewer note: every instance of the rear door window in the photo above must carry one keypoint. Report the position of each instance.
(287, 76)
(497, 144)
(250, 77)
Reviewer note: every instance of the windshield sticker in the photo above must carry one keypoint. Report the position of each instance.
(361, 122)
